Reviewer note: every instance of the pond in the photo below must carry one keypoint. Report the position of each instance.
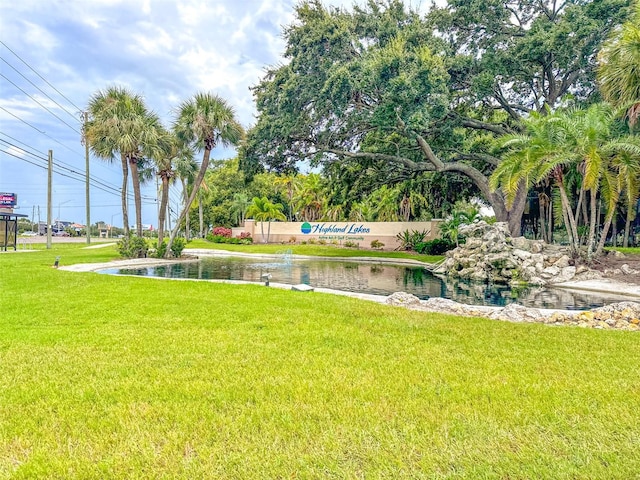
(371, 278)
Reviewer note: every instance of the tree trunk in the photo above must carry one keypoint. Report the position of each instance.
(570, 222)
(125, 182)
(196, 185)
(187, 223)
(513, 217)
(550, 222)
(187, 206)
(579, 206)
(627, 228)
(201, 218)
(591, 241)
(605, 230)
(135, 180)
(164, 200)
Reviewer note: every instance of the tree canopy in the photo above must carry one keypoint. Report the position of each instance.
(384, 89)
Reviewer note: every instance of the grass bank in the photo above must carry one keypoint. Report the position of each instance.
(313, 250)
(113, 377)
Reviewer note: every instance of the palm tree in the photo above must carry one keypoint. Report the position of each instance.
(290, 183)
(309, 198)
(204, 121)
(533, 157)
(239, 205)
(120, 123)
(626, 162)
(186, 171)
(173, 154)
(262, 210)
(619, 69)
(386, 203)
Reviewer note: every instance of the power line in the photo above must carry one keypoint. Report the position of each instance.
(44, 79)
(11, 82)
(39, 89)
(38, 130)
(61, 164)
(95, 183)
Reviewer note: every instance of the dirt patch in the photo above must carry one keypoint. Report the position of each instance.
(610, 266)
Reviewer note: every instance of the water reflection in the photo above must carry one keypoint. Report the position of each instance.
(380, 279)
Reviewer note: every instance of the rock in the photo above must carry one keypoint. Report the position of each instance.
(617, 254)
(517, 313)
(627, 270)
(581, 269)
(491, 254)
(521, 254)
(520, 243)
(550, 272)
(536, 248)
(402, 299)
(566, 274)
(562, 262)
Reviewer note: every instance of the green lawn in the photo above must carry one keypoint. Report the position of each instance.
(119, 377)
(628, 250)
(314, 250)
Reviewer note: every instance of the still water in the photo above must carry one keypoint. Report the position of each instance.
(372, 278)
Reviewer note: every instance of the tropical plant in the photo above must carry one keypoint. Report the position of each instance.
(387, 203)
(133, 247)
(239, 206)
(409, 239)
(619, 67)
(262, 210)
(464, 213)
(120, 123)
(204, 122)
(290, 183)
(308, 197)
(173, 153)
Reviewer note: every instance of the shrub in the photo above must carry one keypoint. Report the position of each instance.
(377, 244)
(133, 247)
(350, 244)
(161, 249)
(293, 239)
(322, 241)
(438, 246)
(223, 232)
(409, 239)
(245, 236)
(177, 246)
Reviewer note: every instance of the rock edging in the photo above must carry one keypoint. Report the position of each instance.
(619, 316)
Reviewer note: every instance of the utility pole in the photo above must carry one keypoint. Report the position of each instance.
(49, 206)
(86, 156)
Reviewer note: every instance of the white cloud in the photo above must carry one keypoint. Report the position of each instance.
(39, 37)
(15, 151)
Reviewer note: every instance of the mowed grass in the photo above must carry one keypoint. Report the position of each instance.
(313, 250)
(119, 377)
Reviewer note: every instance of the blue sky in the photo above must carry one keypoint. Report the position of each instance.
(55, 54)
